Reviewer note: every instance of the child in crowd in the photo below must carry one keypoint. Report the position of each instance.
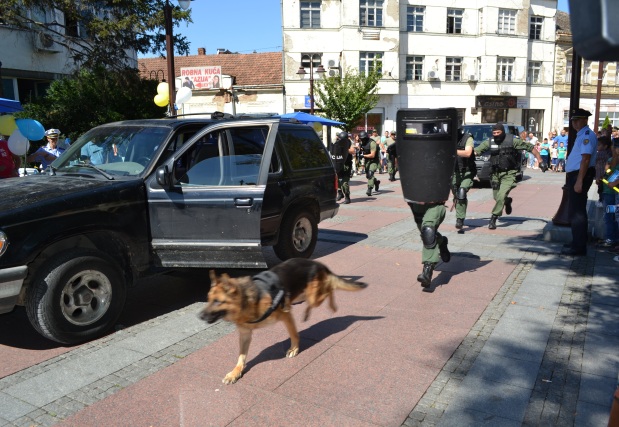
(554, 156)
(609, 197)
(603, 154)
(561, 153)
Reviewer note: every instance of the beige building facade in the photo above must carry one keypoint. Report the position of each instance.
(489, 59)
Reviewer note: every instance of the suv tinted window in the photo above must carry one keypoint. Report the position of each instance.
(303, 149)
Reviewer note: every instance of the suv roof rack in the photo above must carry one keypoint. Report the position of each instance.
(216, 115)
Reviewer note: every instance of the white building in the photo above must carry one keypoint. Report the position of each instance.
(490, 59)
(31, 59)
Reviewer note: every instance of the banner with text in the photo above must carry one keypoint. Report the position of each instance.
(201, 77)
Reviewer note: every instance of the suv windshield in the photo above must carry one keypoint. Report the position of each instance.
(116, 150)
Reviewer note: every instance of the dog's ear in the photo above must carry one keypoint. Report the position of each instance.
(228, 283)
(212, 276)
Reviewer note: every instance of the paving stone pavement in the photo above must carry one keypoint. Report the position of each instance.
(545, 351)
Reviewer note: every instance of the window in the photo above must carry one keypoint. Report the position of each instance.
(535, 28)
(617, 73)
(534, 73)
(566, 118)
(303, 150)
(454, 21)
(414, 18)
(453, 69)
(568, 70)
(613, 116)
(224, 158)
(414, 68)
(371, 13)
(310, 14)
(586, 72)
(314, 58)
(369, 61)
(505, 69)
(507, 21)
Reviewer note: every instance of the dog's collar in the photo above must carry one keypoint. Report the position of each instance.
(268, 282)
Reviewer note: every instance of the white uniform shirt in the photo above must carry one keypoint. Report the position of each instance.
(586, 143)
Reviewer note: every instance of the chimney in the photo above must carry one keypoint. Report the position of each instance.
(201, 51)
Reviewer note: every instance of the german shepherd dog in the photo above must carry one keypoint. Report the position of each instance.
(246, 301)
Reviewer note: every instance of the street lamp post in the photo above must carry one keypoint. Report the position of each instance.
(319, 70)
(169, 47)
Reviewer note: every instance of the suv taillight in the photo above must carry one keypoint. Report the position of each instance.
(336, 184)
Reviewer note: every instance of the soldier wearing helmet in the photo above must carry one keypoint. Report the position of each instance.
(48, 153)
(504, 159)
(371, 154)
(342, 151)
(464, 173)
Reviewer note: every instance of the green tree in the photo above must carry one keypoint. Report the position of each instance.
(98, 32)
(347, 98)
(93, 97)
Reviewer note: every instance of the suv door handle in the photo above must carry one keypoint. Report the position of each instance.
(243, 203)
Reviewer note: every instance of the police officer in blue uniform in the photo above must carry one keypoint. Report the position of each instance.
(580, 171)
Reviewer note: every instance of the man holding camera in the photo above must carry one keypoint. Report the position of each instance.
(505, 160)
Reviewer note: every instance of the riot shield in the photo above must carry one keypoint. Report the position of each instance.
(426, 141)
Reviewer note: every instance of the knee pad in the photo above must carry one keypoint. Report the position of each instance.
(369, 174)
(428, 237)
(461, 194)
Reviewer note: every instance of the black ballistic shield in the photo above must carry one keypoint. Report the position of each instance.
(426, 140)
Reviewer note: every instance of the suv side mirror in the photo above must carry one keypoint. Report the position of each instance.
(163, 176)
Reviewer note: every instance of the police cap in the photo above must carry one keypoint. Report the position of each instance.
(579, 113)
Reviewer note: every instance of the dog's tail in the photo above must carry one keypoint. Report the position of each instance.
(345, 284)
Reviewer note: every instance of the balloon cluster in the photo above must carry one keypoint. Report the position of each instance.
(163, 98)
(21, 132)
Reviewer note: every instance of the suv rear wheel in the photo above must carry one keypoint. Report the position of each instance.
(297, 236)
(76, 296)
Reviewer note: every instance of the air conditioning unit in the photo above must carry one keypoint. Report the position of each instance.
(332, 63)
(44, 42)
(334, 72)
(432, 75)
(473, 78)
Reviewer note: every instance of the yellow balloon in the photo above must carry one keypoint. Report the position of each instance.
(163, 89)
(7, 125)
(161, 100)
(317, 126)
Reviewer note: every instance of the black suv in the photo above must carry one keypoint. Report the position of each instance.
(135, 198)
(483, 131)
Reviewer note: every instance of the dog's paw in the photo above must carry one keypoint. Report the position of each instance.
(231, 378)
(292, 352)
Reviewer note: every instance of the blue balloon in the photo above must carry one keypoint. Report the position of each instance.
(31, 129)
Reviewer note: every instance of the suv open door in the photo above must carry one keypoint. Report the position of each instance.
(205, 203)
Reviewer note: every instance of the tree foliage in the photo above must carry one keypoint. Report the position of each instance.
(93, 97)
(347, 98)
(98, 32)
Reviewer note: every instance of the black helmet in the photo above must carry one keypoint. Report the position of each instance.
(342, 135)
(363, 135)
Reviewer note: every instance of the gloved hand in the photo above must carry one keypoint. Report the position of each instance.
(543, 166)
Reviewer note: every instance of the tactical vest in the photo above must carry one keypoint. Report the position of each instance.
(367, 149)
(507, 158)
(465, 164)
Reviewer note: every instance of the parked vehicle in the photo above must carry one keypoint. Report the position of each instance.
(483, 131)
(134, 198)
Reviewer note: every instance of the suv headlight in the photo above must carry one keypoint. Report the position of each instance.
(4, 242)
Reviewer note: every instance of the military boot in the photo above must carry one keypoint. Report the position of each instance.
(508, 205)
(369, 192)
(391, 177)
(492, 224)
(340, 195)
(376, 184)
(425, 278)
(459, 223)
(444, 251)
(346, 199)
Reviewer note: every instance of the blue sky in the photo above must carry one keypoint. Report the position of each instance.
(242, 26)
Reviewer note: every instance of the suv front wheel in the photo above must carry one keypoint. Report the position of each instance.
(297, 236)
(76, 296)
